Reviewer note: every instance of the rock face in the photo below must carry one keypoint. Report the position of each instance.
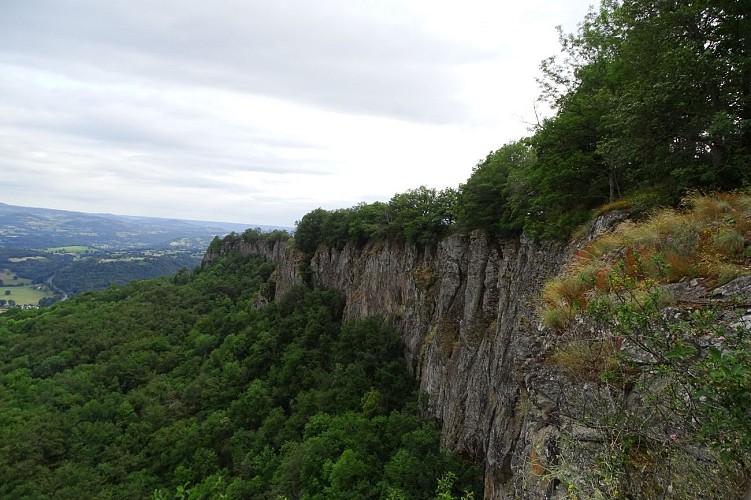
(467, 312)
(273, 250)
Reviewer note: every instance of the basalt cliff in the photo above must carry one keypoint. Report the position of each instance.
(468, 311)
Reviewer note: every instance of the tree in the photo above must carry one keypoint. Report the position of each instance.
(309, 230)
(685, 106)
(370, 221)
(496, 196)
(422, 215)
(660, 91)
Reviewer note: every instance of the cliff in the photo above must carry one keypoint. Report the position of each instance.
(466, 310)
(534, 405)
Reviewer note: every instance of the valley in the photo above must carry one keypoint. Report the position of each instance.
(47, 255)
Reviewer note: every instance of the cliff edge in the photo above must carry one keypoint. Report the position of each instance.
(466, 310)
(540, 405)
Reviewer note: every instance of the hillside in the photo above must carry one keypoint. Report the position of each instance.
(55, 253)
(38, 228)
(642, 392)
(183, 385)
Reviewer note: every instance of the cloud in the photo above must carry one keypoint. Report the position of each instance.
(258, 112)
(350, 57)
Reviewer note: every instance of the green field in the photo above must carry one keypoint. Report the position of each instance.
(6, 276)
(28, 294)
(72, 249)
(24, 259)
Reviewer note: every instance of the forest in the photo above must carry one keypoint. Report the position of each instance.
(183, 385)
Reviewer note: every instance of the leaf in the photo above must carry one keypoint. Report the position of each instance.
(681, 351)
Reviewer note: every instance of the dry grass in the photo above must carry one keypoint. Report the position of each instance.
(710, 237)
(424, 277)
(588, 359)
(536, 467)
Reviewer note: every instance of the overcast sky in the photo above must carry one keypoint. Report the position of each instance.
(255, 111)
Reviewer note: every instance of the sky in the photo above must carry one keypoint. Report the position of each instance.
(257, 112)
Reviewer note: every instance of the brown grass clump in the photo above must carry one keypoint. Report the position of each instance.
(710, 237)
(535, 464)
(588, 360)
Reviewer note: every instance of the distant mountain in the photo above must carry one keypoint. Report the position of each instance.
(27, 227)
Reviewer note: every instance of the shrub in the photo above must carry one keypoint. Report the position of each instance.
(729, 242)
(655, 369)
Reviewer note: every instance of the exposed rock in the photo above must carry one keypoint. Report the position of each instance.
(273, 250)
(467, 312)
(605, 223)
(739, 288)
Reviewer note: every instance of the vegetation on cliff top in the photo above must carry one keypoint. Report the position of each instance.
(639, 315)
(652, 99)
(706, 239)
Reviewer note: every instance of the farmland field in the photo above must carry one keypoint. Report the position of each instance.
(6, 276)
(27, 294)
(70, 249)
(24, 259)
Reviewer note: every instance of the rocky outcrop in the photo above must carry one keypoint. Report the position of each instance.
(466, 311)
(273, 250)
(607, 405)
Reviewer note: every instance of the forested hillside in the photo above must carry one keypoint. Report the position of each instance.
(182, 384)
(61, 253)
(209, 384)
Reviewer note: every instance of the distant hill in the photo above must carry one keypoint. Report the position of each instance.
(27, 227)
(47, 255)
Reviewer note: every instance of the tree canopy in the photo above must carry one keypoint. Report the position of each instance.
(421, 216)
(181, 385)
(652, 99)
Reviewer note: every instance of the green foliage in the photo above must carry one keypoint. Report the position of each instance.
(95, 274)
(493, 198)
(180, 388)
(649, 93)
(445, 487)
(421, 216)
(670, 382)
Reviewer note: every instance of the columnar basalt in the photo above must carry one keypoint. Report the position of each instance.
(466, 310)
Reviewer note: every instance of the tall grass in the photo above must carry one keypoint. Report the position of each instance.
(708, 237)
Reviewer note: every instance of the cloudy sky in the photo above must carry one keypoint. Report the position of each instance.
(258, 111)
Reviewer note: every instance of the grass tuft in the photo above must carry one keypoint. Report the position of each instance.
(588, 360)
(729, 242)
(707, 238)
